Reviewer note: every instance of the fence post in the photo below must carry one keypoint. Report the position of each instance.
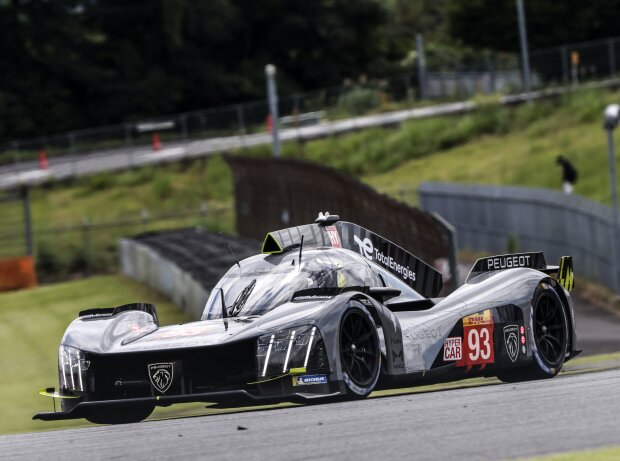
(419, 40)
(71, 138)
(128, 140)
(16, 156)
(408, 90)
(450, 235)
(564, 55)
(612, 56)
(183, 118)
(27, 220)
(144, 214)
(86, 242)
(241, 119)
(203, 214)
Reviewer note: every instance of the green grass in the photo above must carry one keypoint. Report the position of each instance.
(31, 326)
(128, 195)
(525, 156)
(600, 454)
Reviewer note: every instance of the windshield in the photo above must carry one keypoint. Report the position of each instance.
(265, 282)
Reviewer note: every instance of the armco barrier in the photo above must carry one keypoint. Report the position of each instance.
(491, 218)
(142, 263)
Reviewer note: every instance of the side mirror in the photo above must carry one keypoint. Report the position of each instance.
(382, 294)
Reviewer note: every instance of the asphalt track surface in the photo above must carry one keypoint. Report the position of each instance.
(572, 412)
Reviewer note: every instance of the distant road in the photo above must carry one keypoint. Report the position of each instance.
(571, 412)
(29, 173)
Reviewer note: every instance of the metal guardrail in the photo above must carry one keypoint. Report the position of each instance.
(494, 219)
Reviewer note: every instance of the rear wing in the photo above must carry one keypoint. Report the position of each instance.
(340, 234)
(534, 260)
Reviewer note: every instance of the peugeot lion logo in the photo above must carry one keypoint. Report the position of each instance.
(160, 375)
(511, 340)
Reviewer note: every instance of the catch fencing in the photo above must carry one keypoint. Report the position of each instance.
(507, 219)
(447, 80)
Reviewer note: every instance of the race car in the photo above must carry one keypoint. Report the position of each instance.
(327, 310)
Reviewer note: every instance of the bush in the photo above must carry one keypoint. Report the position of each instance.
(49, 260)
(162, 186)
(359, 100)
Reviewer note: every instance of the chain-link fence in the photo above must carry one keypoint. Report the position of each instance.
(446, 81)
(92, 247)
(15, 225)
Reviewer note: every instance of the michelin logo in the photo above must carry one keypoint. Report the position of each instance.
(307, 380)
(367, 249)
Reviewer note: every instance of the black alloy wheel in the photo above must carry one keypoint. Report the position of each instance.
(550, 328)
(360, 352)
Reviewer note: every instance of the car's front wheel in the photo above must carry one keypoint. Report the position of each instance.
(550, 329)
(360, 352)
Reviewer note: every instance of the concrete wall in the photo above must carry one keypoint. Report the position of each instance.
(143, 264)
(486, 217)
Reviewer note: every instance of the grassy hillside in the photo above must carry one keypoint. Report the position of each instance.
(524, 156)
(31, 325)
(494, 145)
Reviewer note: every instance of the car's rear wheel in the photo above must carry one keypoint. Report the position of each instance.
(121, 414)
(550, 329)
(360, 353)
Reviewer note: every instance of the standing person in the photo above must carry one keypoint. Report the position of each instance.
(569, 174)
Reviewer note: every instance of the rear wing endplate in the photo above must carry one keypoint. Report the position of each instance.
(535, 260)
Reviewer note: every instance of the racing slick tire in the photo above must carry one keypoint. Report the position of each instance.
(550, 341)
(360, 352)
(121, 414)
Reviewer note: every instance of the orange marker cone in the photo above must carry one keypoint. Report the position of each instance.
(156, 141)
(43, 159)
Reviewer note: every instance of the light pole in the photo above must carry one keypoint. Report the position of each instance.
(612, 116)
(272, 95)
(525, 59)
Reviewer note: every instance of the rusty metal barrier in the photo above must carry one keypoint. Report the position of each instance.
(17, 273)
(272, 194)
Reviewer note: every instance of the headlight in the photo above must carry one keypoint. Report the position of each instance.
(300, 347)
(72, 367)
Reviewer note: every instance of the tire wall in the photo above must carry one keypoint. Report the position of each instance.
(144, 265)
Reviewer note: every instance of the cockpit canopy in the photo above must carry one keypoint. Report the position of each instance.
(263, 283)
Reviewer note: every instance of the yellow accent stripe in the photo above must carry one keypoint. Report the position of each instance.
(56, 395)
(292, 372)
(279, 250)
(565, 273)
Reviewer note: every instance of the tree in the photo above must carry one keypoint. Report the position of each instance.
(492, 24)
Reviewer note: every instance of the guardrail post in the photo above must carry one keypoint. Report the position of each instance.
(450, 235)
(128, 140)
(15, 148)
(203, 214)
(183, 118)
(241, 119)
(564, 55)
(612, 56)
(27, 220)
(71, 141)
(86, 243)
